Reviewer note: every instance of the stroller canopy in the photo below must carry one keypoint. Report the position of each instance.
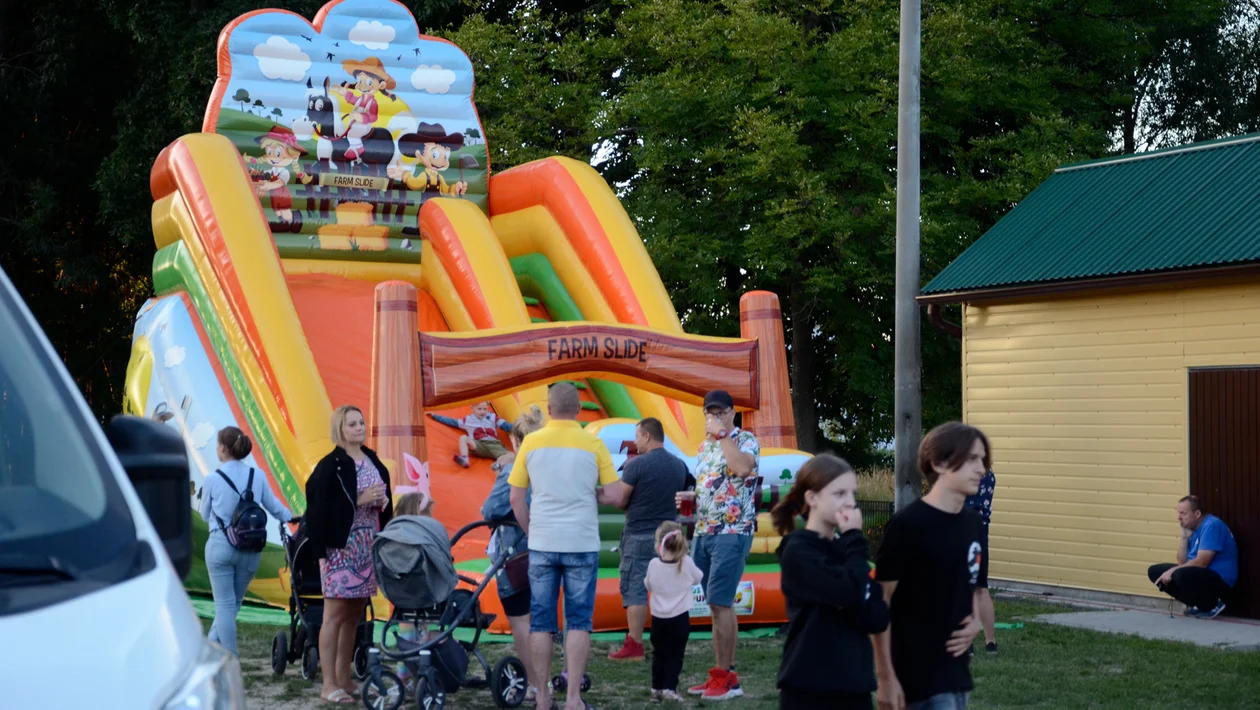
(413, 563)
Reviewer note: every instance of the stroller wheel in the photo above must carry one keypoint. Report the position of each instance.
(279, 652)
(360, 665)
(429, 695)
(389, 694)
(310, 662)
(508, 683)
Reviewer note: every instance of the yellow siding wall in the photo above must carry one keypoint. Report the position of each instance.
(1085, 400)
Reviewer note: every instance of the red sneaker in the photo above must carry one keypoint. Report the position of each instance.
(630, 650)
(714, 675)
(724, 688)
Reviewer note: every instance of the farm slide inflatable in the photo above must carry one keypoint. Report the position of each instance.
(335, 236)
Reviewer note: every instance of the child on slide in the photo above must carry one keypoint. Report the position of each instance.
(481, 440)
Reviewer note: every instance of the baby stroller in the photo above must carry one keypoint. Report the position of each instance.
(415, 570)
(306, 613)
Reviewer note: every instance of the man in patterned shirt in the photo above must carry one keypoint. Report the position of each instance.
(725, 516)
(982, 503)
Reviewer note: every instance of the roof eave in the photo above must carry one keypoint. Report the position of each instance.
(1024, 292)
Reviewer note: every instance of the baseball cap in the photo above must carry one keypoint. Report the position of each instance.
(718, 398)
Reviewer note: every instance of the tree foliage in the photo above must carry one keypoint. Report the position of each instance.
(752, 142)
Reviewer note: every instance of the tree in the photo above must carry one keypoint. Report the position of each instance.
(259, 105)
(242, 97)
(473, 133)
(277, 112)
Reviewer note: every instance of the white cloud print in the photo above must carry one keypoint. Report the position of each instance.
(433, 79)
(201, 435)
(373, 35)
(174, 356)
(278, 58)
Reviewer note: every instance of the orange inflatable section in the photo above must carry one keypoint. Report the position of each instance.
(336, 315)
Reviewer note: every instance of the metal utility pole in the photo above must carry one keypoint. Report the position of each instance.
(907, 409)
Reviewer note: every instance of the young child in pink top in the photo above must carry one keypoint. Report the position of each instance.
(670, 577)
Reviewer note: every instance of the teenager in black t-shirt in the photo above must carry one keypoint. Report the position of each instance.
(929, 564)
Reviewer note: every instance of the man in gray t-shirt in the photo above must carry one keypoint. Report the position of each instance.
(649, 482)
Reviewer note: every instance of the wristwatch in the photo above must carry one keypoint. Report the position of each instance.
(732, 434)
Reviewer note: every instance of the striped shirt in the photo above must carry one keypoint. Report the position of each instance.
(563, 465)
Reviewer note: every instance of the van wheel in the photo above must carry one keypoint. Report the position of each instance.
(279, 652)
(310, 662)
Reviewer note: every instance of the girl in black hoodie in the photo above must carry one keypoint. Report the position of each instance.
(833, 605)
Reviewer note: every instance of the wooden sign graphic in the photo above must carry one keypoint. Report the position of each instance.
(459, 369)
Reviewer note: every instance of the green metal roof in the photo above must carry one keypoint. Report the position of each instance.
(1182, 208)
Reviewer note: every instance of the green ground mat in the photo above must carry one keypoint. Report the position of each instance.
(268, 616)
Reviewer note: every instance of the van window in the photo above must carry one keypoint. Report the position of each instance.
(64, 525)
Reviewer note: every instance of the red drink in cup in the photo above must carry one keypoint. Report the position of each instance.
(687, 503)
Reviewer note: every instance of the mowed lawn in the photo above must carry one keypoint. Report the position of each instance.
(1039, 666)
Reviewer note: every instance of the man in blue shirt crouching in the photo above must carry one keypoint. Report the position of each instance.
(1207, 562)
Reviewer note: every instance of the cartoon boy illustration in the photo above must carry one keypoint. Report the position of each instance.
(370, 78)
(431, 147)
(280, 150)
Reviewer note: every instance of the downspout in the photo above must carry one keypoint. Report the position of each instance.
(938, 321)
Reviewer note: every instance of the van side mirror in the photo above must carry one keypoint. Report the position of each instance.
(156, 461)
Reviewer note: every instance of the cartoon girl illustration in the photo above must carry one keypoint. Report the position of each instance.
(370, 78)
(280, 150)
(431, 147)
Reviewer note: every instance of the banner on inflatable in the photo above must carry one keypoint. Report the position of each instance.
(745, 601)
(458, 368)
(347, 125)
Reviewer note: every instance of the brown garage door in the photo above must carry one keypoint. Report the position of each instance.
(1225, 466)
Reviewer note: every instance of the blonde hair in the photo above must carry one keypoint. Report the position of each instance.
(527, 423)
(339, 420)
(676, 544)
(414, 504)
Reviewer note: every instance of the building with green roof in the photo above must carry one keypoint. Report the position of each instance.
(1111, 349)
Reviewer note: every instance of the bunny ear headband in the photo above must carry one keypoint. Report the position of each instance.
(668, 536)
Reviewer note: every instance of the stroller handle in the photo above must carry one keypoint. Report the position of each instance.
(492, 524)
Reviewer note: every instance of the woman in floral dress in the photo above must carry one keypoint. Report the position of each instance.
(347, 503)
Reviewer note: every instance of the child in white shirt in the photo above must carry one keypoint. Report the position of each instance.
(670, 578)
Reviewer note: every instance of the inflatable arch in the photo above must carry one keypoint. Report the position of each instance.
(335, 235)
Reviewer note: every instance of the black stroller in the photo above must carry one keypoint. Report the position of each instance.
(420, 579)
(306, 613)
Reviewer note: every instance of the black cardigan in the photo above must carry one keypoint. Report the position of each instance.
(331, 492)
(833, 607)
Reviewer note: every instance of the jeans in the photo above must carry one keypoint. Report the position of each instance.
(231, 571)
(721, 558)
(578, 571)
(942, 701)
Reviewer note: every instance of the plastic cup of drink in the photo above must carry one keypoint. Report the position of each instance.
(687, 504)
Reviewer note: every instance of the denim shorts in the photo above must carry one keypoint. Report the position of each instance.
(579, 573)
(721, 558)
(636, 552)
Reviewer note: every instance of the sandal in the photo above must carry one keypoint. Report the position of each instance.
(338, 696)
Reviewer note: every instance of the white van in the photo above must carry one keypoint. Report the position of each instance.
(93, 613)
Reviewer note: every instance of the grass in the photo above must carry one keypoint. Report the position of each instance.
(1039, 666)
(875, 484)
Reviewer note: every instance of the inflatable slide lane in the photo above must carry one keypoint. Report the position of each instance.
(335, 236)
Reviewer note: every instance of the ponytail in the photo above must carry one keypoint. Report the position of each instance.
(785, 513)
(236, 442)
(815, 475)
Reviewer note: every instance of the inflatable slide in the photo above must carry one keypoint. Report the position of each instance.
(335, 235)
